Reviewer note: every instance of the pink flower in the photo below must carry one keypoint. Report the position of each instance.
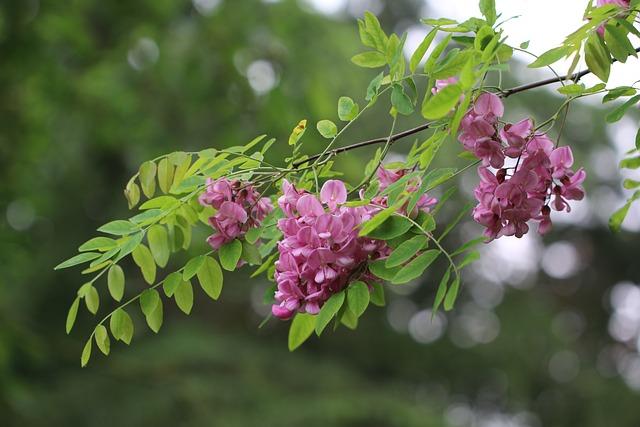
(515, 136)
(561, 161)
(320, 250)
(441, 84)
(239, 207)
(489, 105)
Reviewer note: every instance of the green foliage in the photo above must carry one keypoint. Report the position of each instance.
(328, 311)
(301, 328)
(229, 255)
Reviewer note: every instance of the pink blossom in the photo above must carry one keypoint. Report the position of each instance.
(515, 136)
(489, 105)
(320, 251)
(441, 84)
(239, 207)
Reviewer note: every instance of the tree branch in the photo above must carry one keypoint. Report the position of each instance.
(504, 94)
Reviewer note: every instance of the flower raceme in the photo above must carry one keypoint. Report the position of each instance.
(321, 252)
(541, 180)
(239, 207)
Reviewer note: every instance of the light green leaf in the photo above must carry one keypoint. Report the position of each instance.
(328, 311)
(165, 175)
(406, 251)
(442, 290)
(416, 267)
(401, 101)
(121, 326)
(619, 111)
(618, 43)
(192, 267)
(100, 243)
(229, 255)
(149, 301)
(86, 353)
(154, 319)
(376, 221)
(379, 269)
(347, 109)
(392, 227)
(630, 163)
(327, 128)
(452, 294)
(115, 282)
(210, 278)
(369, 59)
(78, 259)
(159, 244)
(551, 56)
(251, 254)
(148, 178)
(377, 295)
(358, 297)
(119, 228)
(143, 259)
(301, 329)
(102, 339)
(597, 57)
(435, 54)
(572, 89)
(71, 315)
(374, 87)
(171, 282)
(92, 299)
(421, 50)
(132, 194)
(184, 296)
(442, 102)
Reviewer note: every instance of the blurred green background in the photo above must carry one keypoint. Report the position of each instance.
(545, 332)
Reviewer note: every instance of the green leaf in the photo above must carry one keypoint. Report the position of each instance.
(452, 294)
(572, 89)
(184, 296)
(165, 175)
(71, 315)
(619, 112)
(102, 339)
(377, 295)
(132, 194)
(328, 311)
(347, 109)
(154, 319)
(143, 259)
(349, 319)
(192, 266)
(379, 269)
(327, 128)
(98, 244)
(252, 235)
(488, 9)
(121, 326)
(358, 297)
(551, 56)
(435, 54)
(229, 254)
(442, 102)
(115, 282)
(630, 163)
(376, 221)
(86, 353)
(158, 239)
(119, 228)
(78, 259)
(92, 299)
(468, 259)
(442, 290)
(148, 178)
(370, 59)
(616, 220)
(301, 329)
(421, 50)
(618, 43)
(149, 300)
(416, 267)
(597, 58)
(618, 92)
(406, 251)
(210, 278)
(374, 86)
(130, 243)
(393, 226)
(251, 254)
(171, 282)
(401, 101)
(524, 45)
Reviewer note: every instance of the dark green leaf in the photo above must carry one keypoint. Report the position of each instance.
(416, 267)
(393, 226)
(406, 251)
(442, 290)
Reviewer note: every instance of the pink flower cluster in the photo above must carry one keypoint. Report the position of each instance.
(239, 207)
(541, 179)
(320, 252)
